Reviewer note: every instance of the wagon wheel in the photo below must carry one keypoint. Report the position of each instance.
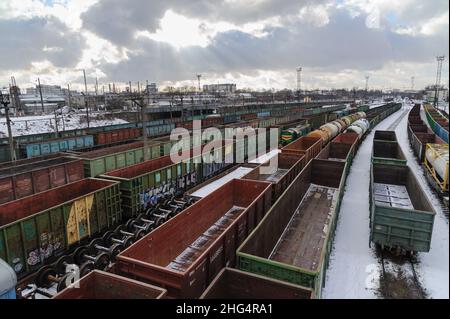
(42, 277)
(61, 263)
(86, 268)
(62, 284)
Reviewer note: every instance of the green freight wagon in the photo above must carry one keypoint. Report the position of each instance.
(108, 159)
(401, 217)
(138, 183)
(386, 149)
(293, 242)
(34, 230)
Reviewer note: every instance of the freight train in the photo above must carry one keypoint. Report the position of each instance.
(430, 149)
(46, 143)
(437, 122)
(137, 183)
(213, 247)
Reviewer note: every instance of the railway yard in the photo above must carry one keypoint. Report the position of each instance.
(346, 201)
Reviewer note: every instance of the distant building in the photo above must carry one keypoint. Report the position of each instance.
(152, 88)
(219, 88)
(430, 92)
(47, 90)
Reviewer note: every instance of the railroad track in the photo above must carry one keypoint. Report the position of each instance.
(400, 287)
(397, 121)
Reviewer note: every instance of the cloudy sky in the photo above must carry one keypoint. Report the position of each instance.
(254, 43)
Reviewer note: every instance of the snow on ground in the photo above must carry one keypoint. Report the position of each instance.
(46, 123)
(354, 269)
(433, 267)
(211, 187)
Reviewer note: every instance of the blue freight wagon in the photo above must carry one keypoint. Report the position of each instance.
(55, 146)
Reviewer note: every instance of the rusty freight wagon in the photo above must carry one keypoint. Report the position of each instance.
(288, 167)
(31, 160)
(293, 241)
(420, 134)
(186, 253)
(349, 138)
(103, 285)
(341, 152)
(108, 159)
(27, 179)
(305, 145)
(386, 149)
(401, 217)
(114, 136)
(37, 228)
(235, 284)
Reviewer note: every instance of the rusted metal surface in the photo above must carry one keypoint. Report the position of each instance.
(235, 284)
(308, 146)
(103, 285)
(336, 151)
(31, 178)
(348, 138)
(114, 136)
(31, 160)
(294, 240)
(187, 252)
(420, 134)
(385, 136)
(30, 205)
(289, 166)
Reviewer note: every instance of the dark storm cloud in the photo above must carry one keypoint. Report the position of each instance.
(344, 43)
(117, 22)
(23, 41)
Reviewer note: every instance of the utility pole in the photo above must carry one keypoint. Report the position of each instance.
(14, 95)
(56, 123)
(40, 93)
(367, 86)
(139, 101)
(4, 99)
(86, 97)
(440, 59)
(299, 82)
(198, 78)
(96, 93)
(68, 92)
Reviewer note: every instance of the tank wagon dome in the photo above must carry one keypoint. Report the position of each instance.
(8, 278)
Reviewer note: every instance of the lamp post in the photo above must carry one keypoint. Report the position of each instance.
(4, 100)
